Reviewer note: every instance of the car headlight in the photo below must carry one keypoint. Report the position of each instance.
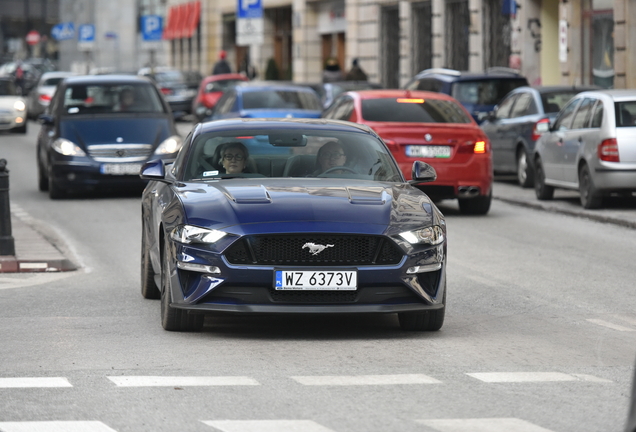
(432, 235)
(169, 145)
(191, 234)
(67, 148)
(19, 105)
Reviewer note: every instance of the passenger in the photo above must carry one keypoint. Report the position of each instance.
(330, 155)
(126, 100)
(233, 157)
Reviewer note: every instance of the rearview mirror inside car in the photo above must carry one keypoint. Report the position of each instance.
(287, 140)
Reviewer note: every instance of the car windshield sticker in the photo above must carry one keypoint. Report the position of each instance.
(210, 173)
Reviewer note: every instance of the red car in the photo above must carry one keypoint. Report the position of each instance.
(210, 91)
(432, 127)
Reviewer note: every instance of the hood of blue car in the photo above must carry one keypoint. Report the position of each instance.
(116, 130)
(333, 204)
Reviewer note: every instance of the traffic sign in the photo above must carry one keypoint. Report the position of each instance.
(63, 31)
(33, 37)
(249, 22)
(249, 9)
(86, 36)
(151, 28)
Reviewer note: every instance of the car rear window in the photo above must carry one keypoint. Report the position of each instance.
(487, 91)
(221, 85)
(111, 98)
(625, 113)
(413, 110)
(280, 99)
(554, 101)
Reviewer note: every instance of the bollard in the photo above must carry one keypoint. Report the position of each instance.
(7, 245)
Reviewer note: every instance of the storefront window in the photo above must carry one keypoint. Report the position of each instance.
(598, 42)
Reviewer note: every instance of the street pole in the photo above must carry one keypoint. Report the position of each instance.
(7, 244)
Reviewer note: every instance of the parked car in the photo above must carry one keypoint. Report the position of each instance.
(99, 129)
(432, 127)
(210, 91)
(327, 92)
(479, 92)
(179, 88)
(13, 112)
(41, 95)
(590, 147)
(266, 100)
(355, 238)
(513, 126)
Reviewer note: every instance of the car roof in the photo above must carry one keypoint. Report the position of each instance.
(396, 93)
(451, 75)
(267, 85)
(283, 124)
(222, 77)
(57, 74)
(106, 79)
(556, 88)
(614, 94)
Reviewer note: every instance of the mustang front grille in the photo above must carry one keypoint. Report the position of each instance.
(314, 250)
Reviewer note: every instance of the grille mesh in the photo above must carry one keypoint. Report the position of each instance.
(340, 250)
(120, 152)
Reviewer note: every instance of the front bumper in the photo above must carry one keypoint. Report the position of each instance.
(12, 121)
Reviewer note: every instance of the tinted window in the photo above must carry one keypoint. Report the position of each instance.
(485, 92)
(597, 117)
(111, 98)
(7, 88)
(524, 106)
(582, 117)
(407, 110)
(427, 84)
(280, 99)
(625, 113)
(503, 110)
(554, 101)
(564, 119)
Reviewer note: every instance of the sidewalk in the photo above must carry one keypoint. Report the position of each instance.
(34, 252)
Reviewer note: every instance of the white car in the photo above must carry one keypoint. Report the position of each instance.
(41, 95)
(13, 112)
(590, 147)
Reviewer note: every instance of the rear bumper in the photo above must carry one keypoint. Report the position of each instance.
(608, 177)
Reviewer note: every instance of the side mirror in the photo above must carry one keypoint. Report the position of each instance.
(422, 173)
(153, 170)
(46, 119)
(542, 126)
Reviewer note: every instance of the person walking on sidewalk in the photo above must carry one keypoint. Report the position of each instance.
(356, 73)
(221, 66)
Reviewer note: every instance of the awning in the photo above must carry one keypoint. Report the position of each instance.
(182, 20)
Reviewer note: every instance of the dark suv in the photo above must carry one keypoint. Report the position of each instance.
(479, 92)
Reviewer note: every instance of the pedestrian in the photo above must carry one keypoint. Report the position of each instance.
(356, 73)
(332, 72)
(221, 66)
(19, 78)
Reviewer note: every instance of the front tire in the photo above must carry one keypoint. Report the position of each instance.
(55, 191)
(591, 198)
(149, 289)
(475, 206)
(173, 319)
(43, 179)
(431, 320)
(541, 190)
(525, 176)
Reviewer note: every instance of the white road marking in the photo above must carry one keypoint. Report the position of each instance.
(591, 378)
(55, 426)
(267, 426)
(511, 377)
(366, 380)
(611, 325)
(33, 382)
(483, 425)
(181, 381)
(628, 319)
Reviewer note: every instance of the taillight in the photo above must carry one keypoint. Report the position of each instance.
(540, 128)
(474, 147)
(480, 147)
(608, 150)
(45, 98)
(166, 91)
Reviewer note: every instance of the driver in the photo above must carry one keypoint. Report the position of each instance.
(330, 155)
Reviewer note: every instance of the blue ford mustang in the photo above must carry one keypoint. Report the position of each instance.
(290, 216)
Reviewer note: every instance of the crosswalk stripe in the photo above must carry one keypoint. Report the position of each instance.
(33, 382)
(267, 426)
(55, 426)
(483, 425)
(366, 380)
(517, 377)
(181, 381)
(610, 325)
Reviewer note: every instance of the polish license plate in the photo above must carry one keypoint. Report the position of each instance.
(120, 169)
(428, 151)
(323, 280)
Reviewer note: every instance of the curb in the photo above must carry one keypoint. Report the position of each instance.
(11, 264)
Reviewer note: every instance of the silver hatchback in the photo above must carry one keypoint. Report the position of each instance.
(591, 147)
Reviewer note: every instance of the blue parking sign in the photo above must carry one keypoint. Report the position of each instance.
(63, 31)
(86, 33)
(249, 9)
(151, 27)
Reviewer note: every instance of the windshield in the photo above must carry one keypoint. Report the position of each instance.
(413, 110)
(485, 92)
(111, 98)
(280, 99)
(7, 88)
(289, 154)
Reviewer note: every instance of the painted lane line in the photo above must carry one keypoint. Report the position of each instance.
(267, 426)
(482, 425)
(366, 380)
(516, 377)
(55, 426)
(33, 382)
(591, 378)
(181, 381)
(610, 325)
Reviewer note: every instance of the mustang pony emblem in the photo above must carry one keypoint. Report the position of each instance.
(315, 249)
